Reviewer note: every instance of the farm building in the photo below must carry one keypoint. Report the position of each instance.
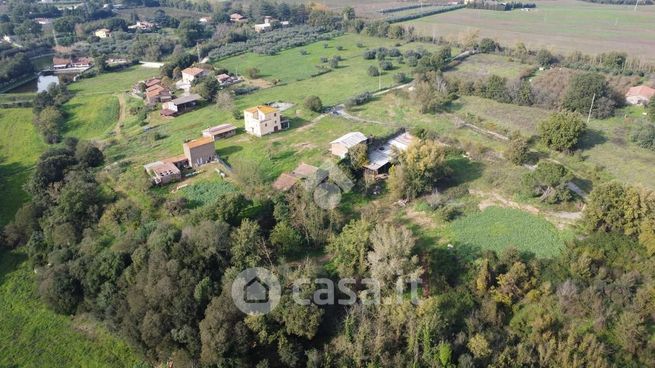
(220, 131)
(102, 33)
(639, 95)
(286, 181)
(340, 146)
(180, 105)
(262, 120)
(193, 73)
(238, 18)
(225, 80)
(142, 26)
(163, 172)
(156, 94)
(60, 63)
(200, 151)
(379, 159)
(266, 26)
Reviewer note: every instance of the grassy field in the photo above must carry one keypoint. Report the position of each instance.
(20, 146)
(559, 25)
(91, 116)
(34, 336)
(482, 66)
(498, 228)
(294, 70)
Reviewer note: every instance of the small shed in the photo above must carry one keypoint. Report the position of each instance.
(340, 146)
(220, 131)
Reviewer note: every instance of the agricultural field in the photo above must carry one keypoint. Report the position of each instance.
(560, 25)
(482, 66)
(498, 228)
(293, 71)
(34, 336)
(20, 147)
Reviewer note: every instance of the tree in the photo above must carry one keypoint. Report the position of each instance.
(349, 249)
(650, 109)
(386, 65)
(225, 101)
(391, 259)
(207, 88)
(89, 155)
(61, 290)
(544, 58)
(223, 334)
(49, 122)
(418, 169)
(548, 181)
(247, 245)
(285, 238)
(189, 32)
(431, 94)
(496, 89)
(252, 73)
(517, 150)
(334, 62)
(358, 156)
(487, 45)
(313, 103)
(614, 207)
(373, 71)
(562, 130)
(581, 91)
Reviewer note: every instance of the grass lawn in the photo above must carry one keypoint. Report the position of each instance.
(34, 336)
(20, 147)
(498, 228)
(91, 117)
(559, 25)
(109, 83)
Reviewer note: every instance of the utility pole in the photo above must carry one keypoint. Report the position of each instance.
(380, 81)
(198, 50)
(591, 108)
(636, 3)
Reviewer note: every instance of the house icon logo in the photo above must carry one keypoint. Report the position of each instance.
(256, 291)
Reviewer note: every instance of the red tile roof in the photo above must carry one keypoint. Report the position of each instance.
(641, 91)
(193, 71)
(200, 142)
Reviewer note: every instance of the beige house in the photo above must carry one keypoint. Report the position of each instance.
(102, 33)
(340, 146)
(200, 151)
(263, 120)
(639, 95)
(193, 73)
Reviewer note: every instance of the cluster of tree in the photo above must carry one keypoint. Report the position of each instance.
(48, 116)
(199, 6)
(579, 93)
(610, 62)
(431, 93)
(621, 2)
(179, 62)
(644, 135)
(145, 46)
(549, 181)
(418, 169)
(271, 43)
(425, 13)
(493, 5)
(624, 209)
(15, 67)
(161, 276)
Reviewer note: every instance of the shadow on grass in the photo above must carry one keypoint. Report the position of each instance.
(591, 138)
(9, 262)
(463, 171)
(229, 150)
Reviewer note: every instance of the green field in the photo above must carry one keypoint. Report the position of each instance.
(482, 66)
(20, 146)
(294, 69)
(33, 336)
(110, 83)
(498, 228)
(560, 25)
(91, 116)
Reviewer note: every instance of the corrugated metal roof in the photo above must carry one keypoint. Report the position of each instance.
(382, 155)
(351, 139)
(220, 129)
(186, 99)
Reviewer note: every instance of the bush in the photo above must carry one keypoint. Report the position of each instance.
(373, 71)
(517, 151)
(644, 136)
(412, 61)
(562, 130)
(399, 78)
(487, 45)
(359, 99)
(313, 103)
(340, 48)
(386, 65)
(334, 62)
(369, 54)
